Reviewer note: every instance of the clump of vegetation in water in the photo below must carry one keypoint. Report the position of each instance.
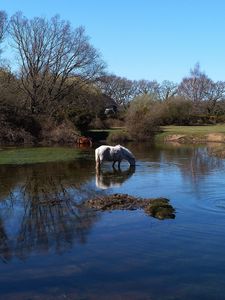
(156, 207)
(160, 208)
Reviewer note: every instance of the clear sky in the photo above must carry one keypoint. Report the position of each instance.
(144, 39)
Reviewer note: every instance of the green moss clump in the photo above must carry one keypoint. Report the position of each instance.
(160, 208)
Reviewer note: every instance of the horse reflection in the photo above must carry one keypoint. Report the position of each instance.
(114, 178)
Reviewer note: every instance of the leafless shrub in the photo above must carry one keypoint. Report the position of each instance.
(63, 133)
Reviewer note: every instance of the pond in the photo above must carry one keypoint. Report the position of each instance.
(51, 247)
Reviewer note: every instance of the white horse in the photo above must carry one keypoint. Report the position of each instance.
(113, 153)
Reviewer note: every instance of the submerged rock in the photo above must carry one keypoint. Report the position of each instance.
(156, 207)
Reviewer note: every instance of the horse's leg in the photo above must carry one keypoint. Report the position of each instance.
(98, 164)
(119, 161)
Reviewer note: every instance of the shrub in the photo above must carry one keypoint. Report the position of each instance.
(114, 123)
(118, 137)
(80, 118)
(220, 119)
(142, 120)
(64, 133)
(176, 110)
(25, 122)
(97, 123)
(9, 135)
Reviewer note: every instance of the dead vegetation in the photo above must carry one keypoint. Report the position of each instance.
(156, 207)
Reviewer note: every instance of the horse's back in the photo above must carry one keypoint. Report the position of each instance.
(102, 152)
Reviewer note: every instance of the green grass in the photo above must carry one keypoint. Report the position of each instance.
(17, 156)
(192, 131)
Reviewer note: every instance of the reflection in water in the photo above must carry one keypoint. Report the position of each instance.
(5, 252)
(201, 163)
(192, 160)
(43, 200)
(216, 149)
(51, 217)
(41, 210)
(114, 178)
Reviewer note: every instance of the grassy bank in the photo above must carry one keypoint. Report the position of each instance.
(195, 134)
(37, 155)
(182, 134)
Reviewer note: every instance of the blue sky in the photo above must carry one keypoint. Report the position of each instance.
(144, 39)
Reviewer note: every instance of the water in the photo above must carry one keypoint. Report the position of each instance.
(52, 248)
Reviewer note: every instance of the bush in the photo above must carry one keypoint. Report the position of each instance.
(176, 110)
(114, 123)
(118, 137)
(9, 135)
(80, 119)
(142, 120)
(97, 123)
(64, 133)
(27, 123)
(220, 119)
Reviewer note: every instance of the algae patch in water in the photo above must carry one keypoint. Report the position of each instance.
(156, 207)
(19, 156)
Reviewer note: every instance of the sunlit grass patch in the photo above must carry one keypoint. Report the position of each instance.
(193, 133)
(37, 155)
(220, 128)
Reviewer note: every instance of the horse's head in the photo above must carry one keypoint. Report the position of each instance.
(128, 155)
(132, 161)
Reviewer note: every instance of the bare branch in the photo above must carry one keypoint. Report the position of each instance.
(50, 54)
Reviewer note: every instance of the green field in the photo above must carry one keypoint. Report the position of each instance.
(194, 129)
(197, 132)
(37, 155)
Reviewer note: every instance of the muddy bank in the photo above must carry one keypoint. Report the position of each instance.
(156, 207)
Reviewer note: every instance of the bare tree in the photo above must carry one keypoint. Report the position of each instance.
(215, 93)
(195, 86)
(200, 89)
(53, 57)
(147, 87)
(120, 89)
(167, 90)
(3, 24)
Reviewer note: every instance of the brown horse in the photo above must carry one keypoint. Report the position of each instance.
(84, 141)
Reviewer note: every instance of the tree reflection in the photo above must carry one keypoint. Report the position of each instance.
(5, 251)
(192, 160)
(114, 178)
(51, 217)
(216, 150)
